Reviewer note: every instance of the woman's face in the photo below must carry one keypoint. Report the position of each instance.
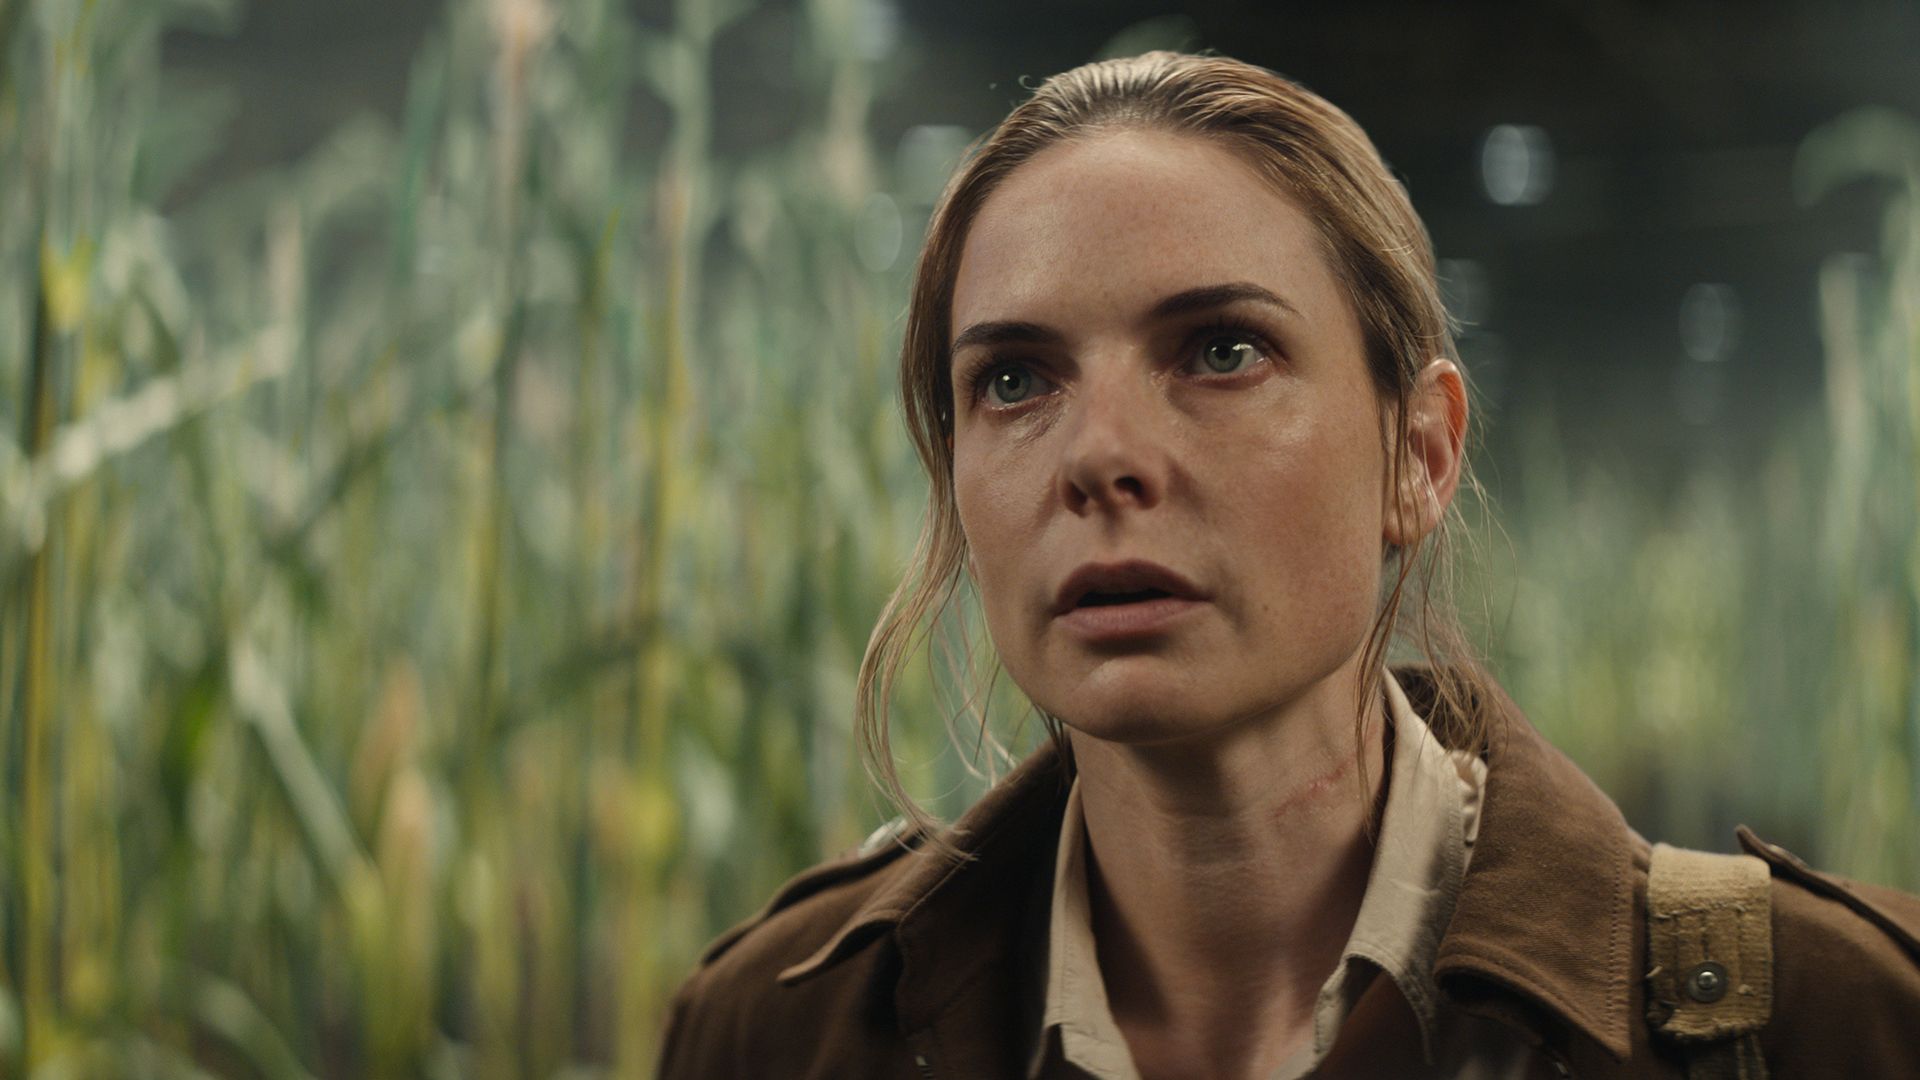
(1167, 448)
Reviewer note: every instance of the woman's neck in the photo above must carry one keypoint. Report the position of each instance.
(1225, 875)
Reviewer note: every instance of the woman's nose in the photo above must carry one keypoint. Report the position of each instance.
(1115, 453)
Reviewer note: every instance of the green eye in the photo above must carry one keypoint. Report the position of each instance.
(1011, 385)
(1237, 354)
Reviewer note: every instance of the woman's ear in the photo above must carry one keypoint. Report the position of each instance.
(1436, 439)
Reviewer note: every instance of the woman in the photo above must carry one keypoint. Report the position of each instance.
(1179, 373)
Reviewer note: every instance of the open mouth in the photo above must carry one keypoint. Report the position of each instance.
(1109, 599)
(1134, 585)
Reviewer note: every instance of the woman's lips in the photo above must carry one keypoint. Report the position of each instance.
(1111, 579)
(1107, 623)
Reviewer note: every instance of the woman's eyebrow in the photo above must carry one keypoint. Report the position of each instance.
(1203, 298)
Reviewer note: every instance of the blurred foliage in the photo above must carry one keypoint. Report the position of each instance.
(436, 571)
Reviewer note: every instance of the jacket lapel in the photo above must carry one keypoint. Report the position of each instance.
(965, 935)
(995, 831)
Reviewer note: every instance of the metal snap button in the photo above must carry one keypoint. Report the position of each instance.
(1706, 983)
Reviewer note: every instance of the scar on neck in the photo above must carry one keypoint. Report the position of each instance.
(1315, 788)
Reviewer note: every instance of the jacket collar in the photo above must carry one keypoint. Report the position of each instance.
(1546, 911)
(925, 890)
(1547, 908)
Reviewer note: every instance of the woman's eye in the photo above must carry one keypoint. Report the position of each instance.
(1224, 354)
(1011, 385)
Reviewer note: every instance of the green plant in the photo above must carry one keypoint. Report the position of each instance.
(436, 570)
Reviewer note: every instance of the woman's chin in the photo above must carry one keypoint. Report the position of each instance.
(1142, 714)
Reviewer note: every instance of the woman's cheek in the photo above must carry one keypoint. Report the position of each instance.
(1323, 548)
(976, 503)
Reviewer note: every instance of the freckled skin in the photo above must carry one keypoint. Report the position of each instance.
(1264, 487)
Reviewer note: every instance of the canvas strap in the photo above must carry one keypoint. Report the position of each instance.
(1710, 947)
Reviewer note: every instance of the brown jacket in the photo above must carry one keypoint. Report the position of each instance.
(891, 963)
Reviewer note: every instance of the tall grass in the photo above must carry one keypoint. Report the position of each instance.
(1748, 650)
(435, 571)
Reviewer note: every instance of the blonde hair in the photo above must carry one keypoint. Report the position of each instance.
(1310, 150)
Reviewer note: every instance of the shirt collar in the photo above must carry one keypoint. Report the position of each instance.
(1075, 995)
(1419, 864)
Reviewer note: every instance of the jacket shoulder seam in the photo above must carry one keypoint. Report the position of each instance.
(1788, 868)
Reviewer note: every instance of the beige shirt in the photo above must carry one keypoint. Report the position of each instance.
(1399, 1026)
